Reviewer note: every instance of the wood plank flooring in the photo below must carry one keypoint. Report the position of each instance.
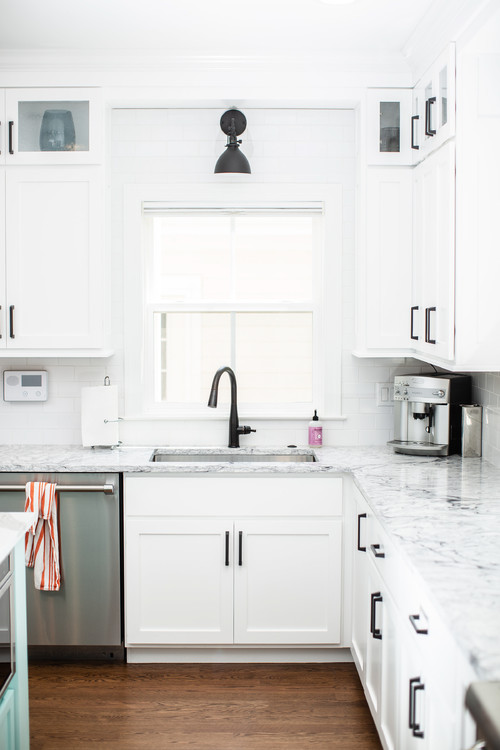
(205, 707)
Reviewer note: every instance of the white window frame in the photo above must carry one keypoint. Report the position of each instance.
(327, 308)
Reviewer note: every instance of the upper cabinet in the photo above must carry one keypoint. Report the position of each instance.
(51, 265)
(431, 316)
(433, 116)
(52, 262)
(51, 126)
(389, 126)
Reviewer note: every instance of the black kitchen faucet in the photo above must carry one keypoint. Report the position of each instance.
(234, 428)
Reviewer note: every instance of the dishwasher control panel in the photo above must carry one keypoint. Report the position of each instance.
(25, 385)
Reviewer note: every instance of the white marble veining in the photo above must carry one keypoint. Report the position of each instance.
(444, 513)
(12, 528)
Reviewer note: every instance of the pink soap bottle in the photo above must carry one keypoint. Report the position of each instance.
(315, 431)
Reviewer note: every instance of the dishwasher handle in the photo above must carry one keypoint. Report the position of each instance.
(107, 489)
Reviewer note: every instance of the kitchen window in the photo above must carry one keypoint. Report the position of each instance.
(238, 280)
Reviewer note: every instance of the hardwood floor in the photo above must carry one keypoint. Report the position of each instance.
(205, 707)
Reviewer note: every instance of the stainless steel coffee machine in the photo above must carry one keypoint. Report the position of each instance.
(427, 413)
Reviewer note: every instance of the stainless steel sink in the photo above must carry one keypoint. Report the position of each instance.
(165, 455)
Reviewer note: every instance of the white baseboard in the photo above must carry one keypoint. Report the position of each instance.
(236, 655)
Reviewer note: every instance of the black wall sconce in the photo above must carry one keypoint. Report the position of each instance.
(233, 123)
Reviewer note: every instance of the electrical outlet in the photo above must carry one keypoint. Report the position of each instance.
(385, 394)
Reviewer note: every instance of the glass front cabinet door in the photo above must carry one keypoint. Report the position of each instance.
(52, 126)
(434, 105)
(389, 126)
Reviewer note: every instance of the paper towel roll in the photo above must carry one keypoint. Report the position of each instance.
(100, 403)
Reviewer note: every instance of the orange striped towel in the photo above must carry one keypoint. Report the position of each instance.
(42, 540)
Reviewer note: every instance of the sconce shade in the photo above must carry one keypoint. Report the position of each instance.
(233, 123)
(232, 160)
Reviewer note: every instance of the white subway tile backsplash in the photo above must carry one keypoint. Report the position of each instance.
(486, 391)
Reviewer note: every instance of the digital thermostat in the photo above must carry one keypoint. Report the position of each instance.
(25, 385)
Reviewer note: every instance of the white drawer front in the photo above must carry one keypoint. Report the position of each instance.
(233, 495)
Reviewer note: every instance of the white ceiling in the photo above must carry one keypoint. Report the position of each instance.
(300, 28)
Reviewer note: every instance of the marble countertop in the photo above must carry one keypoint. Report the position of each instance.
(12, 528)
(444, 513)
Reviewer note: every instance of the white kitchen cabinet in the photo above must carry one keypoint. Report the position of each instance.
(478, 199)
(434, 104)
(235, 560)
(384, 262)
(406, 659)
(456, 263)
(375, 622)
(360, 604)
(52, 272)
(432, 321)
(388, 126)
(51, 126)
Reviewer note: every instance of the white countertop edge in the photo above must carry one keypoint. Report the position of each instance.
(13, 526)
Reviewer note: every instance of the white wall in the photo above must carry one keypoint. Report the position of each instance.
(174, 145)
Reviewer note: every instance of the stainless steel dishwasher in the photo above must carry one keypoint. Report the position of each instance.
(84, 618)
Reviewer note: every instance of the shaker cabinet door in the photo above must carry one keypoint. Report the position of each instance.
(179, 578)
(287, 581)
(433, 309)
(54, 264)
(3, 326)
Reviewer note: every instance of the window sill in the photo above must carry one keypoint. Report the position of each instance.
(202, 417)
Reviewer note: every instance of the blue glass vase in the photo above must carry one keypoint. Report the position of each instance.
(57, 132)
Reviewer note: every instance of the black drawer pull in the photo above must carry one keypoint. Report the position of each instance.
(415, 685)
(428, 338)
(227, 549)
(11, 322)
(414, 621)
(412, 334)
(375, 599)
(360, 516)
(413, 144)
(240, 548)
(375, 548)
(428, 108)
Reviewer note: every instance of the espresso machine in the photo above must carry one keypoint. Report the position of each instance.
(428, 413)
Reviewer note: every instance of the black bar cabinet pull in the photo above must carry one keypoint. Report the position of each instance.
(11, 137)
(428, 107)
(227, 549)
(413, 144)
(11, 322)
(428, 311)
(411, 702)
(412, 334)
(360, 516)
(414, 621)
(375, 548)
(415, 684)
(376, 632)
(240, 548)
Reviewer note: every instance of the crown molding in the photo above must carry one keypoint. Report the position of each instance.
(444, 22)
(143, 68)
(146, 60)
